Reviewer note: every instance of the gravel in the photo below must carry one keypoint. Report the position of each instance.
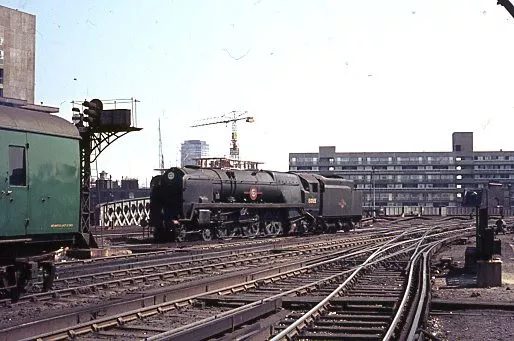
(452, 282)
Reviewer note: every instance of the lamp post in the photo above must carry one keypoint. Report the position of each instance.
(509, 188)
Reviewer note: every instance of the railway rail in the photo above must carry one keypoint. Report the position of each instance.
(264, 297)
(189, 268)
(369, 304)
(83, 276)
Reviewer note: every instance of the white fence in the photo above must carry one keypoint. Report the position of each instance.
(127, 212)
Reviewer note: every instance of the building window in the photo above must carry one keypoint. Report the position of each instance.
(1, 92)
(17, 166)
(1, 76)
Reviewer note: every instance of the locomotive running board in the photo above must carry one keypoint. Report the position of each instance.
(244, 205)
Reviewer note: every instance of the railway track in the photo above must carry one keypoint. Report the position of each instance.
(365, 306)
(265, 299)
(188, 268)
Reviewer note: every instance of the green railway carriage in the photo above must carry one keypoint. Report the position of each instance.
(39, 188)
(40, 181)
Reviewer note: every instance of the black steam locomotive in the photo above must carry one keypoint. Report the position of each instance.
(218, 203)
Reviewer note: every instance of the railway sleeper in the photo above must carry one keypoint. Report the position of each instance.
(377, 292)
(224, 303)
(361, 308)
(359, 317)
(350, 324)
(334, 336)
(333, 328)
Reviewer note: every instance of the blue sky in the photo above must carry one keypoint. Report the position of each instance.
(361, 75)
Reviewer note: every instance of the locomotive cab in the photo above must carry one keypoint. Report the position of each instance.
(310, 193)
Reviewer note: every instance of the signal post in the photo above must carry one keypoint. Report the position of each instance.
(99, 128)
(481, 257)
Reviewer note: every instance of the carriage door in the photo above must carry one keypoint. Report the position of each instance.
(14, 187)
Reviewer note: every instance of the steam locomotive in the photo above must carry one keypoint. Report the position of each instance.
(218, 203)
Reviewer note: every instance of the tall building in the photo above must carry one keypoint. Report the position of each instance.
(436, 179)
(191, 150)
(17, 54)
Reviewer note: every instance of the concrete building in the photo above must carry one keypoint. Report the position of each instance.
(433, 179)
(191, 150)
(17, 54)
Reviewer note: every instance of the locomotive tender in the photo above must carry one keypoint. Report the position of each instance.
(217, 202)
(39, 194)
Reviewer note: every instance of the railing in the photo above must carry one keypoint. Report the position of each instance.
(127, 212)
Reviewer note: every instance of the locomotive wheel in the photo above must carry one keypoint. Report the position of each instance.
(273, 228)
(252, 230)
(268, 228)
(180, 234)
(278, 228)
(222, 232)
(6, 281)
(207, 234)
(48, 276)
(303, 227)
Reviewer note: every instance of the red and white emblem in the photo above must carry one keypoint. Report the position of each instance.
(253, 193)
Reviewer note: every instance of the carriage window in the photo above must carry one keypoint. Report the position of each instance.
(17, 166)
(314, 188)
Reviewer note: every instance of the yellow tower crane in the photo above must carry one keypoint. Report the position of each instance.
(231, 117)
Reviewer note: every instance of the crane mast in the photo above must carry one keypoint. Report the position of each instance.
(231, 117)
(234, 148)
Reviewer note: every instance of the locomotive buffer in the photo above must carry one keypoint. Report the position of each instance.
(98, 128)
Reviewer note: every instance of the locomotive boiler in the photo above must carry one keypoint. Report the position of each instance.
(216, 202)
